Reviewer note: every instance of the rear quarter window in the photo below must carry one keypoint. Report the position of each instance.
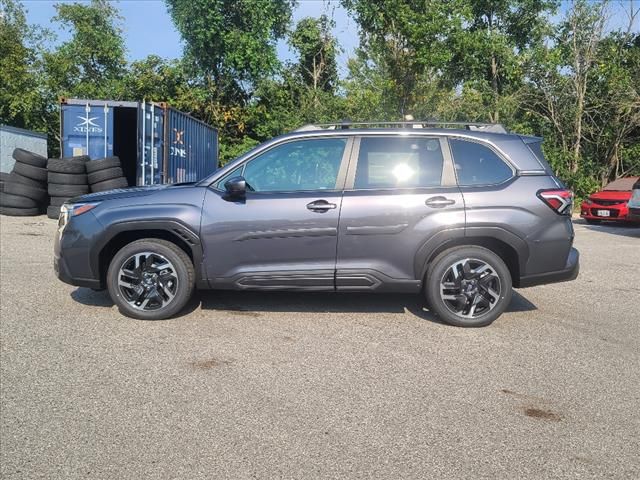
(477, 164)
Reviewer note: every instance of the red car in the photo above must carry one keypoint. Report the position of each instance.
(610, 203)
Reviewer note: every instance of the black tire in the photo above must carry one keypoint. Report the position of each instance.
(17, 178)
(19, 212)
(29, 171)
(36, 194)
(102, 164)
(57, 190)
(16, 201)
(68, 178)
(57, 201)
(79, 158)
(66, 165)
(4, 177)
(183, 272)
(53, 212)
(110, 185)
(103, 175)
(1, 186)
(497, 273)
(29, 158)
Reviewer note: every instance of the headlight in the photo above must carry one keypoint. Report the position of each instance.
(588, 201)
(67, 211)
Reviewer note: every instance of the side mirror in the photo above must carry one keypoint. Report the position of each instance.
(236, 187)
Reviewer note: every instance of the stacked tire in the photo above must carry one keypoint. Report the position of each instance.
(67, 178)
(105, 174)
(24, 190)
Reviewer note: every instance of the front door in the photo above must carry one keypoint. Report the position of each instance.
(400, 194)
(284, 233)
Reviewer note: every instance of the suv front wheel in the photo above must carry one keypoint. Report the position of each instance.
(468, 286)
(150, 279)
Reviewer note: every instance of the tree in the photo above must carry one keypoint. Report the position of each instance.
(92, 63)
(231, 43)
(579, 37)
(155, 79)
(492, 46)
(403, 41)
(317, 50)
(21, 102)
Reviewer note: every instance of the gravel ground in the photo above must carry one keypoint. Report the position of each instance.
(282, 385)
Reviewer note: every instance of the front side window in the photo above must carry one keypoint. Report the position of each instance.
(398, 162)
(478, 165)
(297, 165)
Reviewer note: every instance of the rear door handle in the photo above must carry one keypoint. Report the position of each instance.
(439, 202)
(320, 206)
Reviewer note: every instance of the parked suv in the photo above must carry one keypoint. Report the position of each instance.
(460, 215)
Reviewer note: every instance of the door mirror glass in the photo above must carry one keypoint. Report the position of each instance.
(236, 186)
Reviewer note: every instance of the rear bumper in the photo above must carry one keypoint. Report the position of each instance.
(570, 272)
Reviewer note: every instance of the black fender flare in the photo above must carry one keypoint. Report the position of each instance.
(453, 237)
(171, 226)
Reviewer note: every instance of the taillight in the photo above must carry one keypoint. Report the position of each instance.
(559, 200)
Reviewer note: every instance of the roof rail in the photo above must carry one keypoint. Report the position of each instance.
(485, 127)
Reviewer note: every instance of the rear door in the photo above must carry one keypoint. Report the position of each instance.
(400, 194)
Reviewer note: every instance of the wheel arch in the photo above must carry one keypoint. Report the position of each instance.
(119, 235)
(510, 248)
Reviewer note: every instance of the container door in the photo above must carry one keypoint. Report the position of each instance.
(86, 130)
(151, 138)
(193, 148)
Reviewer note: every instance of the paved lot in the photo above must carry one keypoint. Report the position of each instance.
(266, 386)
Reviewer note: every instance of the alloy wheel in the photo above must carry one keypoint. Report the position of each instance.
(147, 281)
(470, 288)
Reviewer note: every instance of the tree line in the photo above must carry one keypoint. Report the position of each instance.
(537, 66)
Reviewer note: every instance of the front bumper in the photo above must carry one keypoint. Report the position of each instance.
(71, 252)
(62, 272)
(570, 272)
(617, 213)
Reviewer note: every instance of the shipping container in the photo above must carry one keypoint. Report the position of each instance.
(12, 138)
(155, 142)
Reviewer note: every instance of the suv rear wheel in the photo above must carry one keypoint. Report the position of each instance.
(468, 286)
(150, 279)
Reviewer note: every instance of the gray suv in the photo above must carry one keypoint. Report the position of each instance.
(460, 215)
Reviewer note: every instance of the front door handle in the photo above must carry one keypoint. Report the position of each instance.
(439, 202)
(320, 206)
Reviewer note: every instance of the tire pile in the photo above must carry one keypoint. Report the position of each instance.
(24, 190)
(105, 174)
(37, 184)
(67, 178)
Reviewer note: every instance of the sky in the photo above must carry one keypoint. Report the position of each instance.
(148, 28)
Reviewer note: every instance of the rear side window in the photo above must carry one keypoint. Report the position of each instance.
(398, 162)
(478, 165)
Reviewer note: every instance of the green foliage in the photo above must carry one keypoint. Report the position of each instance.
(567, 79)
(233, 41)
(21, 102)
(313, 40)
(92, 63)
